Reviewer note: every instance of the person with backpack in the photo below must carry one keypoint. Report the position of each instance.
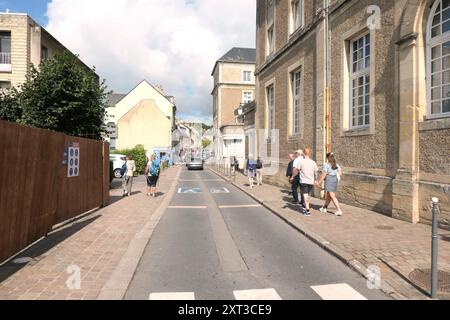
(331, 173)
(128, 170)
(152, 171)
(259, 168)
(251, 170)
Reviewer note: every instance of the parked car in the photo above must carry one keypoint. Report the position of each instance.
(118, 162)
(195, 163)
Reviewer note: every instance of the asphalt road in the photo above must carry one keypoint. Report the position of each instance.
(214, 244)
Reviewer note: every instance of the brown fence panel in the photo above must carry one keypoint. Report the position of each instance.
(35, 190)
(85, 192)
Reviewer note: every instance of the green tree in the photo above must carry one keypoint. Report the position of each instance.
(139, 157)
(10, 109)
(65, 96)
(206, 143)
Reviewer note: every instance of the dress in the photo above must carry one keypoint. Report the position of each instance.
(332, 179)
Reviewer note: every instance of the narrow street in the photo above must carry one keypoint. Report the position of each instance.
(215, 242)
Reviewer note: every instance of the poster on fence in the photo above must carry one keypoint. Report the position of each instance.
(73, 161)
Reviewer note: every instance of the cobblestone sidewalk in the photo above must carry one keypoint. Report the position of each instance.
(94, 244)
(362, 239)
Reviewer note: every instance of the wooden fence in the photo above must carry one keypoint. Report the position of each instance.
(35, 190)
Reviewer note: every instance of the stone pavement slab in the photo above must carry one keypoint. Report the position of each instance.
(361, 238)
(92, 247)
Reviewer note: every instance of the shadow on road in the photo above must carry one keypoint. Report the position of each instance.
(36, 251)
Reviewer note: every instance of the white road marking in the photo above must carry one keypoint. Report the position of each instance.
(338, 292)
(219, 190)
(187, 207)
(172, 296)
(258, 294)
(191, 191)
(241, 206)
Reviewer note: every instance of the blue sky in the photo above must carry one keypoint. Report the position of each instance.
(35, 8)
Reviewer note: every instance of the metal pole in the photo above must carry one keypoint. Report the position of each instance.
(434, 250)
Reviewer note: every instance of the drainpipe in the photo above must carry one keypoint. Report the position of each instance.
(326, 5)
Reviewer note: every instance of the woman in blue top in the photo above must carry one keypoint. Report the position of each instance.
(332, 173)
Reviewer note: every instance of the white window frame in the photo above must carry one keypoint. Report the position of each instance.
(293, 17)
(363, 73)
(244, 93)
(296, 100)
(245, 73)
(433, 42)
(270, 29)
(270, 105)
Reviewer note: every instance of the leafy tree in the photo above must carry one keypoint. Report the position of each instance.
(206, 143)
(65, 96)
(9, 105)
(139, 157)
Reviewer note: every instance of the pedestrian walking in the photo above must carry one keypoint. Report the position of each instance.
(127, 179)
(290, 169)
(295, 179)
(332, 174)
(259, 169)
(308, 172)
(152, 171)
(251, 170)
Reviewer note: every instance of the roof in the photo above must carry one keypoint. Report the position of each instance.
(238, 55)
(113, 98)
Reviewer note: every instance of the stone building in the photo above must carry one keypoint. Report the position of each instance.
(234, 83)
(388, 117)
(23, 43)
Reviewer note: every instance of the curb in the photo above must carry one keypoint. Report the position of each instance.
(340, 254)
(117, 285)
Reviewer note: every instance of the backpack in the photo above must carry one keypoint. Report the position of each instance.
(259, 164)
(123, 170)
(154, 168)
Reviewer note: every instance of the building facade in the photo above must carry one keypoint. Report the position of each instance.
(234, 84)
(382, 106)
(144, 116)
(23, 43)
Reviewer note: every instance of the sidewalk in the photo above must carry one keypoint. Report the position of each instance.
(362, 239)
(96, 244)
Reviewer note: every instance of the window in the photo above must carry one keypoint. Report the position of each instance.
(360, 82)
(247, 97)
(270, 107)
(5, 85)
(5, 47)
(247, 76)
(296, 101)
(270, 40)
(270, 26)
(296, 14)
(44, 53)
(438, 70)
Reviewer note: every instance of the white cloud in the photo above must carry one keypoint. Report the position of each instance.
(174, 43)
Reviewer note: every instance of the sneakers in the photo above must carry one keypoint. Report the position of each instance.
(323, 210)
(307, 213)
(338, 213)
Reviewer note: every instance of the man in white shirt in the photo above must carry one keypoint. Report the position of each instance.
(295, 178)
(308, 173)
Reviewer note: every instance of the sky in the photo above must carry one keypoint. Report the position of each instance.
(172, 43)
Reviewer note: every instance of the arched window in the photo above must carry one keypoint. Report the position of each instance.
(438, 59)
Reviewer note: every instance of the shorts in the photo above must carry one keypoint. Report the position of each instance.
(152, 181)
(306, 188)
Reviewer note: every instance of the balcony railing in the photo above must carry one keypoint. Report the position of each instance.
(5, 57)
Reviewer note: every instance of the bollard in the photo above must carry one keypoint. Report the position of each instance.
(434, 249)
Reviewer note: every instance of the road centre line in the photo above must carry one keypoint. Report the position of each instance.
(187, 207)
(176, 296)
(240, 206)
(338, 292)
